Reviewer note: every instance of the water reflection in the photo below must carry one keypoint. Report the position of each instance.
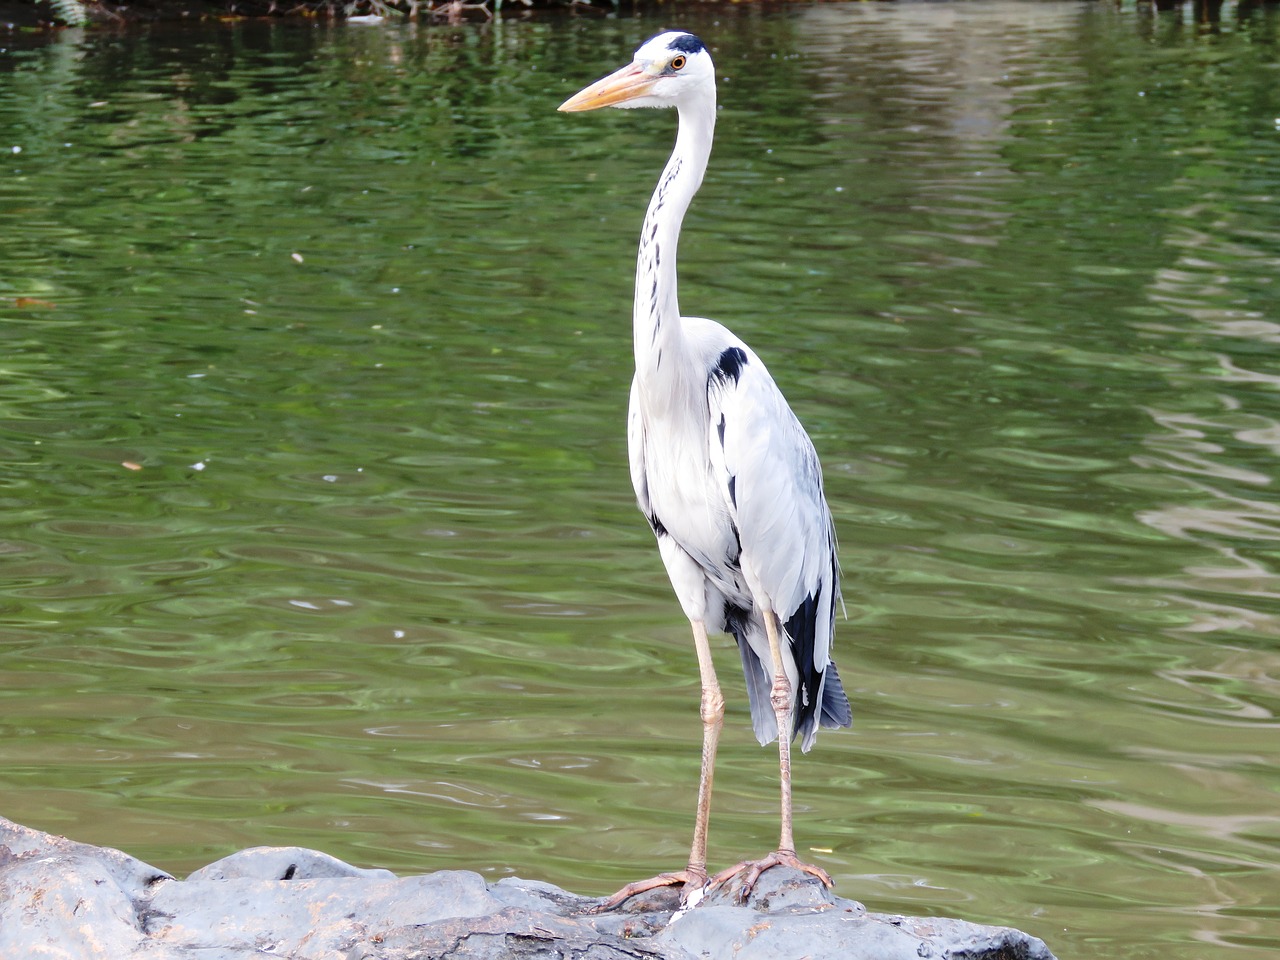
(356, 304)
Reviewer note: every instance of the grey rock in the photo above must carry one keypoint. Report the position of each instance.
(72, 901)
(283, 863)
(61, 899)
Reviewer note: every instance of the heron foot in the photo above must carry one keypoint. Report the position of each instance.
(691, 880)
(753, 869)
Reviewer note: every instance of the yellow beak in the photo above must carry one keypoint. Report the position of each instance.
(618, 87)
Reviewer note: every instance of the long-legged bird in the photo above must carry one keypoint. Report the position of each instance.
(725, 474)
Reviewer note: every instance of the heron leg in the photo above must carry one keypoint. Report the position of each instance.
(694, 876)
(712, 721)
(780, 697)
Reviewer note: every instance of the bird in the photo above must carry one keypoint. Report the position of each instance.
(727, 477)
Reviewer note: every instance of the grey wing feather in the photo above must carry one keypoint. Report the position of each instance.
(772, 487)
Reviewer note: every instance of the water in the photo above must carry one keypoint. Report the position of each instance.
(316, 521)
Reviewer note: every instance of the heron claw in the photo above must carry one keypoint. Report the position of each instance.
(691, 880)
(754, 868)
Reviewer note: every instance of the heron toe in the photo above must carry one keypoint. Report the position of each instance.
(754, 868)
(690, 879)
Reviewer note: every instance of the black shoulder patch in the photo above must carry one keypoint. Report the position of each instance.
(729, 366)
(687, 43)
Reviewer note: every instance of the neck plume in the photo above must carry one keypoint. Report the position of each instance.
(657, 308)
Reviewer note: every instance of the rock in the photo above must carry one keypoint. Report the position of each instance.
(71, 901)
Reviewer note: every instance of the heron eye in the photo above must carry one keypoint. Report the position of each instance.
(678, 62)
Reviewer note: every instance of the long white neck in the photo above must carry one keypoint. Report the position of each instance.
(658, 338)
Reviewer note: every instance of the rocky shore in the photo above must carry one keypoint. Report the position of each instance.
(73, 901)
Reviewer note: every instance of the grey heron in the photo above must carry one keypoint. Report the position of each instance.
(725, 474)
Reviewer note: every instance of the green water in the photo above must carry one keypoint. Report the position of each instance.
(356, 302)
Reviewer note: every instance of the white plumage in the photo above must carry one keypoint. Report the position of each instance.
(732, 487)
(723, 470)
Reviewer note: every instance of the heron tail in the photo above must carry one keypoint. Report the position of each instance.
(833, 712)
(759, 685)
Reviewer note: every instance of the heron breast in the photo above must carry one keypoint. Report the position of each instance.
(687, 501)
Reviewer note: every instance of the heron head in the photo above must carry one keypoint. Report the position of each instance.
(665, 71)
